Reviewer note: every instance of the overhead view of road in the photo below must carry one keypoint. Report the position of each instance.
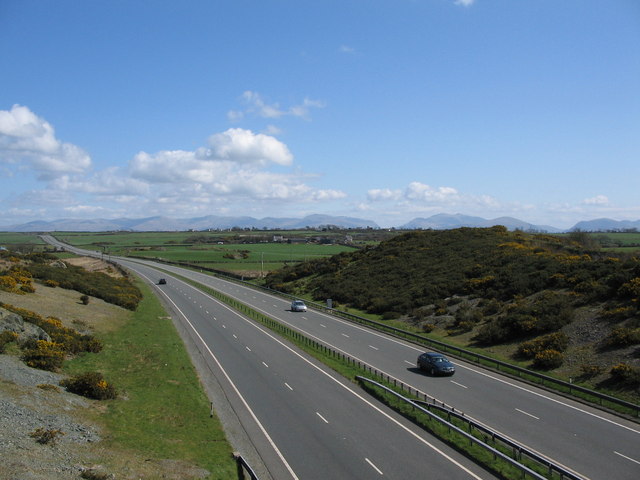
(303, 408)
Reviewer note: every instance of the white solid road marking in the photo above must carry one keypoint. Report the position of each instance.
(528, 414)
(374, 467)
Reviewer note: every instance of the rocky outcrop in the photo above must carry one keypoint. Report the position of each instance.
(13, 322)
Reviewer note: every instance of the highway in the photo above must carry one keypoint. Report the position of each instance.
(594, 444)
(305, 421)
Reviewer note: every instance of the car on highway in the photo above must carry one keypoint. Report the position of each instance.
(162, 281)
(435, 364)
(298, 306)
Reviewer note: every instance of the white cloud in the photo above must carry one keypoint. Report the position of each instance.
(257, 106)
(244, 146)
(420, 192)
(28, 140)
(465, 3)
(347, 49)
(597, 200)
(384, 194)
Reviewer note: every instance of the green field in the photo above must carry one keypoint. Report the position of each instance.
(220, 251)
(11, 238)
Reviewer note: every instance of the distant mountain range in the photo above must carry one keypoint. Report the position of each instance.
(437, 222)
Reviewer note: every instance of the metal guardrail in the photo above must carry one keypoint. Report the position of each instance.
(518, 450)
(468, 436)
(244, 467)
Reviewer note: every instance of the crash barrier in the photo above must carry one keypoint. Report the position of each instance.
(244, 468)
(518, 450)
(568, 388)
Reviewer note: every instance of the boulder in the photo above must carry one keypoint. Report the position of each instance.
(15, 323)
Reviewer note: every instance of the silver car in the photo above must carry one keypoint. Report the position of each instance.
(298, 306)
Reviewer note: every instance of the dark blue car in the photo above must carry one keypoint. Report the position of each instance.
(436, 364)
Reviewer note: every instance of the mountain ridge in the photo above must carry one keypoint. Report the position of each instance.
(441, 221)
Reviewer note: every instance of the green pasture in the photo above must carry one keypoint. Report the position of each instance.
(218, 250)
(12, 238)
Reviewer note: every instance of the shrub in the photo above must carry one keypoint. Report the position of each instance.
(43, 355)
(553, 341)
(548, 359)
(90, 385)
(7, 337)
(46, 437)
(428, 327)
(622, 337)
(84, 299)
(52, 283)
(626, 374)
(590, 371)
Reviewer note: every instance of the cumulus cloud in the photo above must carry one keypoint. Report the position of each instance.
(244, 146)
(256, 105)
(27, 140)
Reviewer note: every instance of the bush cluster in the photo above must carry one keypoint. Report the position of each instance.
(557, 341)
(90, 385)
(626, 375)
(119, 291)
(43, 355)
(622, 337)
(549, 312)
(548, 359)
(64, 341)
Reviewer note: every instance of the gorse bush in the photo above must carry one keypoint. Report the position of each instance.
(90, 385)
(622, 337)
(557, 341)
(43, 355)
(626, 375)
(548, 359)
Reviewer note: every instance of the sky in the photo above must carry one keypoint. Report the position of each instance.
(385, 110)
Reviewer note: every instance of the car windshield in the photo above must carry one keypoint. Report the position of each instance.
(439, 359)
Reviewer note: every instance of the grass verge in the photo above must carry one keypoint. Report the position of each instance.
(162, 410)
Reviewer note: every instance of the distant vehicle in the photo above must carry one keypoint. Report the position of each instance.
(436, 364)
(298, 306)
(162, 281)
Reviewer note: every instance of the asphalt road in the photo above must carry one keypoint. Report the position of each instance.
(302, 420)
(592, 443)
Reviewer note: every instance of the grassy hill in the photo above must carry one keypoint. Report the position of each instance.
(553, 303)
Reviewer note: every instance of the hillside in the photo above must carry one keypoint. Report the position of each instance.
(550, 302)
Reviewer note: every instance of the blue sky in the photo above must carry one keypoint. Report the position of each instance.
(386, 110)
